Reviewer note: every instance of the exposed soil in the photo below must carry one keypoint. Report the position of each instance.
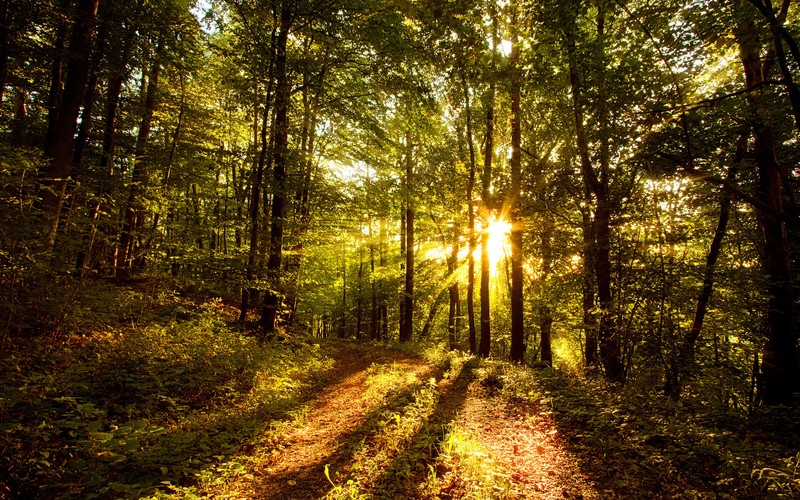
(522, 438)
(331, 427)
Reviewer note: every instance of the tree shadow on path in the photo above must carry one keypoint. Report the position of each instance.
(401, 478)
(338, 420)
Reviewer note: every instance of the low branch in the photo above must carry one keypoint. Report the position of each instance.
(711, 101)
(726, 184)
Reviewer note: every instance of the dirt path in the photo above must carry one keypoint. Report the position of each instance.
(520, 439)
(332, 425)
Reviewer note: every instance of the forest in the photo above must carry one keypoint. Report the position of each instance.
(399, 249)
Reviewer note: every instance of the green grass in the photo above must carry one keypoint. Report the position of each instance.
(464, 463)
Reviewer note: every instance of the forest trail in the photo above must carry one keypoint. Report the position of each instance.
(515, 446)
(331, 425)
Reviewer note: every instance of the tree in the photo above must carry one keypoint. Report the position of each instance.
(282, 93)
(406, 322)
(596, 180)
(517, 312)
(779, 366)
(484, 348)
(57, 175)
(134, 210)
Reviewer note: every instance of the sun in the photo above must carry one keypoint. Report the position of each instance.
(498, 230)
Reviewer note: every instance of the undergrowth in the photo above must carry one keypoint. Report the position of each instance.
(144, 407)
(465, 465)
(632, 442)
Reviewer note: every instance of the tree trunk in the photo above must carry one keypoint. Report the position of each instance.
(779, 362)
(343, 325)
(484, 348)
(135, 211)
(87, 117)
(255, 190)
(360, 293)
(374, 328)
(176, 137)
(545, 312)
(383, 308)
(591, 356)
(57, 74)
(57, 175)
(676, 374)
(779, 36)
(454, 312)
(472, 244)
(517, 353)
(406, 326)
(113, 92)
(278, 214)
(610, 353)
(308, 138)
(403, 241)
(546, 328)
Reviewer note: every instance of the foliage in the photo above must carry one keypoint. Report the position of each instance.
(129, 411)
(641, 442)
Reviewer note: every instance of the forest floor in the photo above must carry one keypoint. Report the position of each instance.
(144, 392)
(507, 450)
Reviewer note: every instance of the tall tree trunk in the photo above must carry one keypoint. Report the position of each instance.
(403, 241)
(454, 312)
(57, 74)
(610, 352)
(484, 348)
(302, 210)
(360, 292)
(472, 244)
(779, 363)
(135, 211)
(248, 290)
(176, 138)
(514, 206)
(87, 120)
(5, 32)
(197, 220)
(675, 376)
(591, 355)
(406, 326)
(374, 328)
(545, 312)
(610, 349)
(87, 116)
(343, 325)
(113, 92)
(278, 213)
(57, 175)
(383, 307)
(779, 36)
